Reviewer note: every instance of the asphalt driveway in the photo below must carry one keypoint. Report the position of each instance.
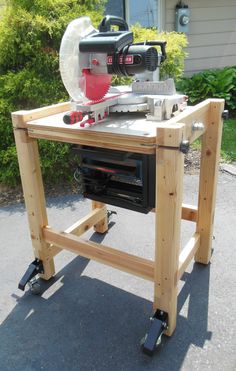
(92, 317)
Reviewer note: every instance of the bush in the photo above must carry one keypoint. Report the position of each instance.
(217, 83)
(30, 36)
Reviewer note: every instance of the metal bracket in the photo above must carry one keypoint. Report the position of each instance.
(197, 126)
(184, 146)
(159, 323)
(225, 114)
(33, 269)
(110, 213)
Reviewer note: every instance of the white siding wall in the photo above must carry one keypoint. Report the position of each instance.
(212, 33)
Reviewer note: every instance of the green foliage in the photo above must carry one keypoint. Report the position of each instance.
(9, 173)
(218, 83)
(30, 36)
(228, 146)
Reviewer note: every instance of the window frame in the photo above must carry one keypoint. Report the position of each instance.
(160, 16)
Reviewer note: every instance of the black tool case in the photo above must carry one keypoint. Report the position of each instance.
(123, 179)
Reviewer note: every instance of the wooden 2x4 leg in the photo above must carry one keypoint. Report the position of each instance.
(169, 191)
(28, 159)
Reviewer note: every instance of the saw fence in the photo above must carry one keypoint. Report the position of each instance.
(169, 140)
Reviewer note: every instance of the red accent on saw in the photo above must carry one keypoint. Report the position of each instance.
(93, 86)
(73, 117)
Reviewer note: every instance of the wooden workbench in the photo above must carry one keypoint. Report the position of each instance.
(129, 133)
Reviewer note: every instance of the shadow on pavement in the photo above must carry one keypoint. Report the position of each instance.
(80, 323)
(56, 202)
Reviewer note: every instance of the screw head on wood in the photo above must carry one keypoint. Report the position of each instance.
(184, 146)
(225, 114)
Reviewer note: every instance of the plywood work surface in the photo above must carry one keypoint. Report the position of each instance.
(121, 130)
(123, 124)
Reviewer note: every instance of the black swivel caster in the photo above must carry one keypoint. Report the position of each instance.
(110, 214)
(159, 323)
(36, 267)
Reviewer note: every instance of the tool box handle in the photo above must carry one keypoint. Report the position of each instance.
(112, 20)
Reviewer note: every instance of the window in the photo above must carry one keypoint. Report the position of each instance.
(145, 12)
(148, 13)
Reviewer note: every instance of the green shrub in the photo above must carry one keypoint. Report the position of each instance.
(30, 36)
(217, 83)
(228, 145)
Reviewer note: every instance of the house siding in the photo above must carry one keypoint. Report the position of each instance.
(212, 33)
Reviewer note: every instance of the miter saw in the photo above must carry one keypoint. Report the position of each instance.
(90, 57)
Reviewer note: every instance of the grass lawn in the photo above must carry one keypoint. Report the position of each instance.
(228, 146)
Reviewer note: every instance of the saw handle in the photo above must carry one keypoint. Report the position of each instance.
(112, 20)
(160, 43)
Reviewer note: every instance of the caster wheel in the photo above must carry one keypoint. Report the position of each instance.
(151, 341)
(142, 341)
(34, 287)
(149, 352)
(110, 214)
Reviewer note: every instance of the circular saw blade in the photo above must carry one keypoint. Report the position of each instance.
(69, 56)
(94, 87)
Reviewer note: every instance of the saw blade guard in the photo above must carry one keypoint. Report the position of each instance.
(69, 56)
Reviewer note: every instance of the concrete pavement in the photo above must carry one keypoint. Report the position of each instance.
(92, 317)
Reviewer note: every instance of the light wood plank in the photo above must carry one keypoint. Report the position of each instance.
(102, 225)
(28, 159)
(197, 113)
(88, 221)
(210, 155)
(169, 134)
(189, 212)
(169, 189)
(82, 226)
(103, 254)
(96, 140)
(187, 253)
(19, 118)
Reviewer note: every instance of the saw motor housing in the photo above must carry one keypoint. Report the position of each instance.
(113, 52)
(106, 52)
